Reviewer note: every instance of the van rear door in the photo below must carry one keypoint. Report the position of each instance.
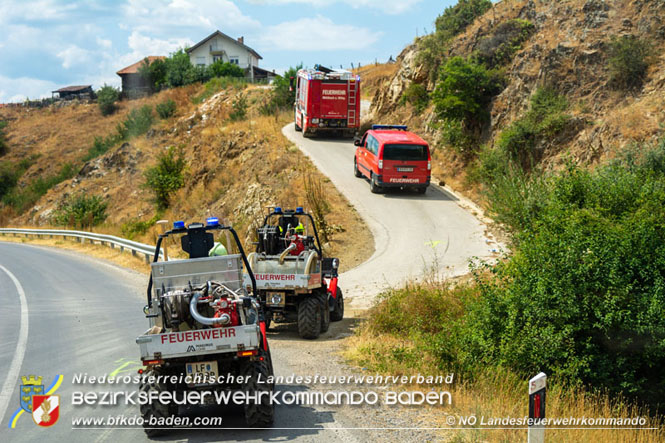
(405, 163)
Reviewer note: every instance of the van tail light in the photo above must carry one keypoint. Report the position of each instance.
(429, 166)
(380, 164)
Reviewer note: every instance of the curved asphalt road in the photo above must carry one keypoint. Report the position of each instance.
(413, 234)
(83, 317)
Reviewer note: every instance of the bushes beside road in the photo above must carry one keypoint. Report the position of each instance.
(581, 297)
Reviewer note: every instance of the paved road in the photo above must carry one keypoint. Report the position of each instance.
(413, 234)
(83, 316)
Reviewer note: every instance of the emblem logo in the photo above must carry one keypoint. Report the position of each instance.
(31, 386)
(46, 409)
(39, 402)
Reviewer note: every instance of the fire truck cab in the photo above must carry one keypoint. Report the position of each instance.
(327, 101)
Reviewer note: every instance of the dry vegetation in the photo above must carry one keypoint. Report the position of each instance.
(235, 170)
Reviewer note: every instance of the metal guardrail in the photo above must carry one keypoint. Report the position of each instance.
(147, 251)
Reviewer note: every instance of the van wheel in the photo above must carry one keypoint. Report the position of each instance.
(421, 190)
(373, 185)
(295, 119)
(356, 172)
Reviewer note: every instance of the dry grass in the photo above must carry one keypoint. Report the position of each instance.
(373, 77)
(235, 169)
(501, 394)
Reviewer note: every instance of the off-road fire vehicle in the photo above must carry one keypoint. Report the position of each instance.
(295, 282)
(205, 325)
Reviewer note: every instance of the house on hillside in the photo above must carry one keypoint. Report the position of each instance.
(219, 46)
(82, 92)
(134, 84)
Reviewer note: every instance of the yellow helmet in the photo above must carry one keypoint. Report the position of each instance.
(300, 229)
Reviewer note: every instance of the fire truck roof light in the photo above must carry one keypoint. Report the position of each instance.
(299, 210)
(212, 221)
(178, 224)
(398, 127)
(278, 210)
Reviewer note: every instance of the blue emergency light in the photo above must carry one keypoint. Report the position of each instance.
(278, 210)
(299, 210)
(178, 224)
(212, 221)
(398, 127)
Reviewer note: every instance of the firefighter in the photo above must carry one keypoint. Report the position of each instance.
(217, 250)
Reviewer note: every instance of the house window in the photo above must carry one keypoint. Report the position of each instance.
(234, 60)
(216, 58)
(200, 61)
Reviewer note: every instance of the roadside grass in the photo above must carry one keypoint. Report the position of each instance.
(409, 332)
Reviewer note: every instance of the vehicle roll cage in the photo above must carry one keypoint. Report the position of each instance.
(200, 228)
(291, 213)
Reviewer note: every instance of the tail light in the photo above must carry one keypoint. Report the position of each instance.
(380, 164)
(429, 165)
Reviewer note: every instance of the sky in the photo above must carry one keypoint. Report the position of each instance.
(49, 44)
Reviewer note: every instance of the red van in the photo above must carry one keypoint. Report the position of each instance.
(392, 157)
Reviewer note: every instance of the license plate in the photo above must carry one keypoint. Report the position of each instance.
(202, 371)
(276, 298)
(405, 169)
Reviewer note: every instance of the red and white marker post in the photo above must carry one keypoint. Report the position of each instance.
(537, 391)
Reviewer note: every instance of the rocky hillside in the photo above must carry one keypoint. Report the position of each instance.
(566, 48)
(235, 166)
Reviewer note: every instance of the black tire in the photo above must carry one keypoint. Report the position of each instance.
(258, 415)
(298, 128)
(373, 186)
(356, 172)
(309, 317)
(325, 312)
(155, 409)
(421, 190)
(338, 313)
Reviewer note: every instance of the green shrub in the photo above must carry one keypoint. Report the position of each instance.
(461, 98)
(24, 198)
(165, 109)
(506, 39)
(135, 227)
(214, 85)
(101, 145)
(283, 96)
(629, 59)
(154, 73)
(239, 107)
(82, 211)
(3, 138)
(456, 18)
(137, 122)
(225, 69)
(464, 90)
(9, 176)
(545, 119)
(416, 95)
(583, 295)
(167, 176)
(106, 98)
(178, 68)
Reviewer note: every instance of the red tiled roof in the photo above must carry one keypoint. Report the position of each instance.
(133, 69)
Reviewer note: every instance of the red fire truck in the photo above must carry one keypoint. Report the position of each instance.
(327, 100)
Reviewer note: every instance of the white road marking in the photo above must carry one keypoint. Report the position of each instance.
(12, 375)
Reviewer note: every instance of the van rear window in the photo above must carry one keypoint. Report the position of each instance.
(405, 152)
